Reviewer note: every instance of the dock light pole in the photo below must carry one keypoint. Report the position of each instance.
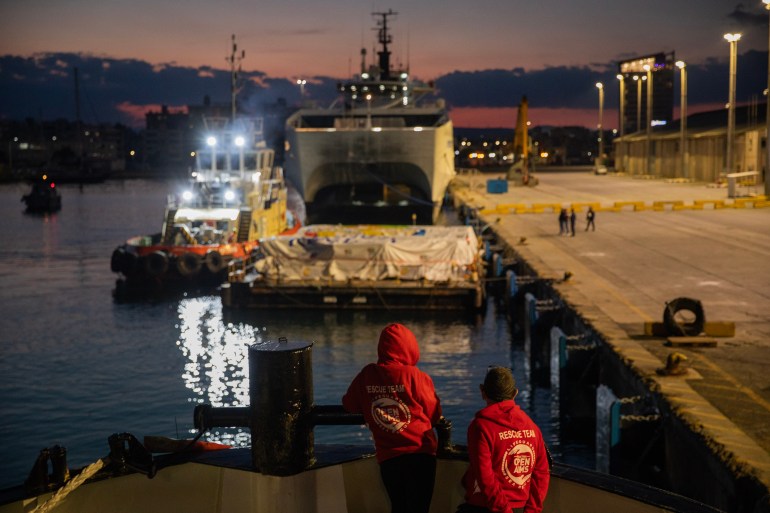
(622, 81)
(683, 116)
(600, 86)
(638, 103)
(212, 141)
(301, 83)
(733, 40)
(767, 118)
(648, 141)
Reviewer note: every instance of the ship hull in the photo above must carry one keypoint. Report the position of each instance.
(374, 174)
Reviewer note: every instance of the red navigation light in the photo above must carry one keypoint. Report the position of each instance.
(53, 185)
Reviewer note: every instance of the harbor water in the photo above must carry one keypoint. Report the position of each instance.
(77, 366)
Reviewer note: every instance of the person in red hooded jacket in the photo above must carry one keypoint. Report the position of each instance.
(400, 406)
(509, 463)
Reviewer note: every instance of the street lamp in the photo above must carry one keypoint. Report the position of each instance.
(301, 83)
(622, 144)
(599, 160)
(733, 40)
(648, 142)
(767, 119)
(623, 101)
(638, 81)
(683, 115)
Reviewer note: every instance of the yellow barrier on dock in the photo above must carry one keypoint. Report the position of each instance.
(542, 207)
(578, 206)
(661, 205)
(715, 204)
(637, 206)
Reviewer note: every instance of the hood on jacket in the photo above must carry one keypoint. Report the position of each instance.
(500, 413)
(397, 345)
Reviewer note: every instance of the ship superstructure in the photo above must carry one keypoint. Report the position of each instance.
(383, 152)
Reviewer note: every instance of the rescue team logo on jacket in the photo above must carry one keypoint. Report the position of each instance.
(518, 463)
(391, 414)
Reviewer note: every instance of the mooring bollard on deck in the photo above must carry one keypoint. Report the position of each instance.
(281, 414)
(281, 390)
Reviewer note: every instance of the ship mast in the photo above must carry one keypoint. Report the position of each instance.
(384, 38)
(233, 59)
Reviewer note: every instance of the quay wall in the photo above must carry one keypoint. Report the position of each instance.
(661, 437)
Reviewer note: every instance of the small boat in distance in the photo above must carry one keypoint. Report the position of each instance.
(382, 153)
(235, 197)
(44, 196)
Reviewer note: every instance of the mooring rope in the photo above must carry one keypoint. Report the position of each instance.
(71, 486)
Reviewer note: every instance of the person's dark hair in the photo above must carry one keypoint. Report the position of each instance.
(499, 384)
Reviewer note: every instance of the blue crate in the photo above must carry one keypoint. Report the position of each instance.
(497, 186)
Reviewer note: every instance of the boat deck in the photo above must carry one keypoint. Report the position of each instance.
(344, 479)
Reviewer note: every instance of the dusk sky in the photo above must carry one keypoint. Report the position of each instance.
(483, 55)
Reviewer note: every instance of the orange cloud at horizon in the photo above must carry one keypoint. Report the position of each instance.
(491, 117)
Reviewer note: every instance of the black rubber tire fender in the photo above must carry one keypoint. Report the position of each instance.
(188, 264)
(130, 261)
(690, 329)
(215, 262)
(156, 263)
(117, 261)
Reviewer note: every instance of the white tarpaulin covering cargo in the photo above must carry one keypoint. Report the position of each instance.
(342, 253)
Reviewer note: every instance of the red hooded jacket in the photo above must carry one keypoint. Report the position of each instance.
(508, 460)
(397, 399)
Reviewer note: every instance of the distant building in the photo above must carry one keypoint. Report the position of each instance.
(167, 141)
(30, 147)
(171, 138)
(634, 89)
(706, 145)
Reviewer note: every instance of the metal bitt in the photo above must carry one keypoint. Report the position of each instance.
(281, 391)
(39, 479)
(281, 416)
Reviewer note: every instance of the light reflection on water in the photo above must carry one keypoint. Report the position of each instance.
(216, 370)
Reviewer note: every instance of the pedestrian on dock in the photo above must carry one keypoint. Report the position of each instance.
(590, 219)
(400, 406)
(563, 230)
(510, 467)
(572, 218)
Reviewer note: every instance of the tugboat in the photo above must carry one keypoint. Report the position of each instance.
(235, 197)
(382, 153)
(44, 196)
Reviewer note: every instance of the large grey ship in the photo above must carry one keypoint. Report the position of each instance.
(383, 152)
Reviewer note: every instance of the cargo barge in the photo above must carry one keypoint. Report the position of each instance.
(361, 267)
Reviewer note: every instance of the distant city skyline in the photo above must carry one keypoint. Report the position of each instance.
(135, 57)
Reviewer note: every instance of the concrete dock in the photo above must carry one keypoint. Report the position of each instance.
(655, 241)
